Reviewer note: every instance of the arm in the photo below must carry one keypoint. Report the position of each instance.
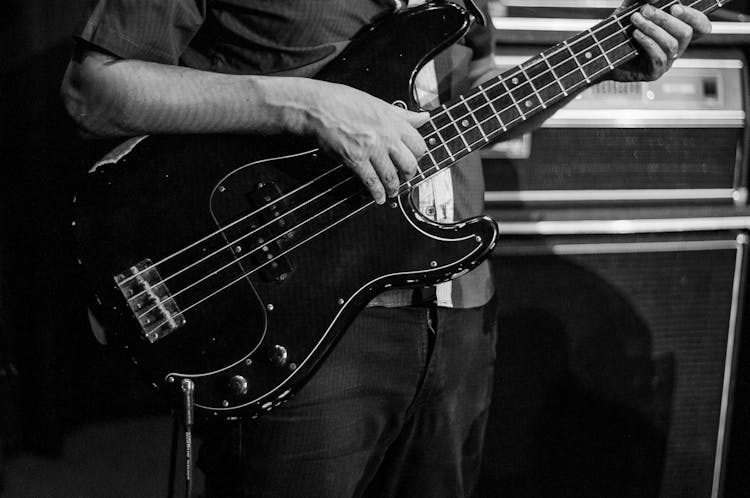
(108, 96)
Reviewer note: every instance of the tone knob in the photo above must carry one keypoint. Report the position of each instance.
(279, 355)
(238, 385)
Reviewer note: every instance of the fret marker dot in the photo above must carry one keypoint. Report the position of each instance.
(432, 141)
(529, 103)
(465, 123)
(588, 55)
(514, 81)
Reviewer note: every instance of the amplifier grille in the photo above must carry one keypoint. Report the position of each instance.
(621, 158)
(611, 372)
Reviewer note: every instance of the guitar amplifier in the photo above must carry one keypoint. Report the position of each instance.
(615, 362)
(679, 139)
(561, 9)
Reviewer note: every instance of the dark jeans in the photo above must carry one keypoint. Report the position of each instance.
(398, 408)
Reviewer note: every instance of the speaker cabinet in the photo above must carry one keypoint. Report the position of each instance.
(615, 361)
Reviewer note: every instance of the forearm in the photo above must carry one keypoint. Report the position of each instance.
(120, 97)
(108, 96)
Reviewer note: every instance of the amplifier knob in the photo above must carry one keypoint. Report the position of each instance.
(279, 355)
(238, 385)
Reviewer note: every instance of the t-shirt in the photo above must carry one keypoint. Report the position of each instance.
(298, 37)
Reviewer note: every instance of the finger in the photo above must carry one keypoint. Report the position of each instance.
(624, 5)
(387, 173)
(369, 177)
(405, 161)
(415, 143)
(659, 60)
(675, 27)
(645, 21)
(694, 18)
(416, 119)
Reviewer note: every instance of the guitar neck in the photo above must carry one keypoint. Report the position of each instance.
(468, 123)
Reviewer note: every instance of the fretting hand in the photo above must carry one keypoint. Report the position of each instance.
(663, 37)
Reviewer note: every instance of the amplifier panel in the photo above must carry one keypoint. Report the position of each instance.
(681, 138)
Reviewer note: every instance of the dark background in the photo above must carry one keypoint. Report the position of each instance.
(64, 379)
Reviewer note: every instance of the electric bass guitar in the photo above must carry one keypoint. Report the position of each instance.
(236, 262)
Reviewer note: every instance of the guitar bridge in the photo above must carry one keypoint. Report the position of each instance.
(150, 300)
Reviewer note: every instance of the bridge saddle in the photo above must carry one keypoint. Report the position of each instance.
(150, 300)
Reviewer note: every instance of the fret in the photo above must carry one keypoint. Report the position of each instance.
(601, 49)
(533, 87)
(437, 156)
(616, 43)
(507, 110)
(589, 55)
(420, 171)
(570, 76)
(495, 113)
(427, 163)
(611, 34)
(707, 7)
(522, 93)
(459, 127)
(439, 149)
(477, 126)
(482, 111)
(515, 102)
(585, 76)
(544, 81)
(554, 74)
(448, 132)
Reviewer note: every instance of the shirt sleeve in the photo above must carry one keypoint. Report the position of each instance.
(150, 30)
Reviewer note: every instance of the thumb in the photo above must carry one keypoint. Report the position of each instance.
(416, 119)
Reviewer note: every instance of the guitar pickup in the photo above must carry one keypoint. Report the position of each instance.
(272, 210)
(150, 300)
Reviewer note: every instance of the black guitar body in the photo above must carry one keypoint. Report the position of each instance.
(237, 261)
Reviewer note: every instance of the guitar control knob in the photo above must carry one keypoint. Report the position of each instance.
(279, 355)
(238, 385)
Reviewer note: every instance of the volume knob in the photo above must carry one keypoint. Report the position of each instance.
(238, 385)
(279, 355)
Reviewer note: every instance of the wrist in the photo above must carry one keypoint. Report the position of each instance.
(288, 103)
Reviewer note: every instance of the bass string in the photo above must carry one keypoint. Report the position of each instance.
(305, 241)
(408, 184)
(247, 254)
(256, 231)
(267, 206)
(435, 168)
(219, 231)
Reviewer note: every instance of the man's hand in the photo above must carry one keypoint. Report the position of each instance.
(663, 38)
(377, 140)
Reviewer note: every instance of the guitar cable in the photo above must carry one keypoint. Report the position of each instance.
(188, 388)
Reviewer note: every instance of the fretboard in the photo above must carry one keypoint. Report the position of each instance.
(468, 123)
